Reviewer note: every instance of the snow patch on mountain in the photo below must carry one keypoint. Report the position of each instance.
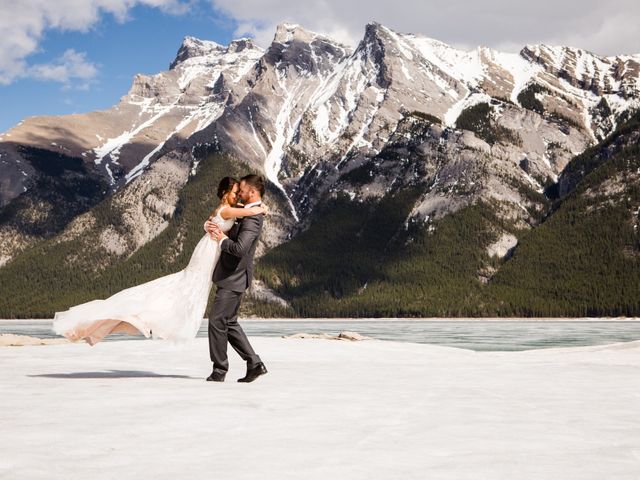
(521, 70)
(466, 67)
(454, 112)
(358, 139)
(326, 103)
(255, 135)
(113, 146)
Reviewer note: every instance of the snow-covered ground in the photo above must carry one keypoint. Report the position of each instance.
(326, 409)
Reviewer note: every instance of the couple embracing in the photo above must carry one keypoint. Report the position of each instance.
(172, 307)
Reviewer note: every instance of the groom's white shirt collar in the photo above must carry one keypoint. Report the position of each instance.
(249, 205)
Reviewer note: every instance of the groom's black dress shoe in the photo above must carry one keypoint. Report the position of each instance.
(253, 373)
(216, 377)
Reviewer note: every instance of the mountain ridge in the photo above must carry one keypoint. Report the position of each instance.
(452, 129)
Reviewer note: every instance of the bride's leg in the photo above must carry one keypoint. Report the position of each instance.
(99, 329)
(126, 327)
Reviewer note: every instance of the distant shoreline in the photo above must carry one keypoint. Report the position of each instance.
(472, 333)
(450, 319)
(402, 319)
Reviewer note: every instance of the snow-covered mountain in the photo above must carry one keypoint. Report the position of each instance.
(158, 112)
(306, 125)
(311, 114)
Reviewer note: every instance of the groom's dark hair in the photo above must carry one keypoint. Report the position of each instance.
(255, 181)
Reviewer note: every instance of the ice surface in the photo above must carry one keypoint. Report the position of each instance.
(326, 409)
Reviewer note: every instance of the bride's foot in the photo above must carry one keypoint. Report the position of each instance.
(72, 336)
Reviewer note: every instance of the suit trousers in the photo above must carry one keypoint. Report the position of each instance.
(223, 327)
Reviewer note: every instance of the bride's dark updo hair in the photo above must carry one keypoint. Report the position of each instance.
(225, 186)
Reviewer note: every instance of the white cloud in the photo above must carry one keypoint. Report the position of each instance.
(606, 28)
(603, 27)
(22, 25)
(70, 66)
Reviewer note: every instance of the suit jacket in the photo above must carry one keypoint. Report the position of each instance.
(234, 270)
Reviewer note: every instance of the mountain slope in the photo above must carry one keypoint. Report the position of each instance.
(81, 264)
(63, 187)
(404, 142)
(582, 260)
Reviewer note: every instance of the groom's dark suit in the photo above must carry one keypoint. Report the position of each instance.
(232, 276)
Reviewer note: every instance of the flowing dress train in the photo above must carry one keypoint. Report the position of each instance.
(171, 307)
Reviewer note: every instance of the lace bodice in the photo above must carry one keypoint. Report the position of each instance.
(225, 225)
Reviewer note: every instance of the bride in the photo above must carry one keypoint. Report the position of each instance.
(170, 307)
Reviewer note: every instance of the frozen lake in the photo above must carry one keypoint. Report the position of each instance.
(473, 334)
(326, 410)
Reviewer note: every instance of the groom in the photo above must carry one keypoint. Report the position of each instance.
(232, 276)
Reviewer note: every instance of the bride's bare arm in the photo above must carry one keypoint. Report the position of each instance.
(232, 212)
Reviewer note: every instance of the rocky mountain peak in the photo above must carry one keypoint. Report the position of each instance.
(373, 46)
(304, 50)
(375, 37)
(241, 44)
(194, 47)
(373, 30)
(586, 70)
(286, 32)
(377, 34)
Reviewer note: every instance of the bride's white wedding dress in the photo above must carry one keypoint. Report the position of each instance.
(170, 307)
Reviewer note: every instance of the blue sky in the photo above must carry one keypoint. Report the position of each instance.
(72, 56)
